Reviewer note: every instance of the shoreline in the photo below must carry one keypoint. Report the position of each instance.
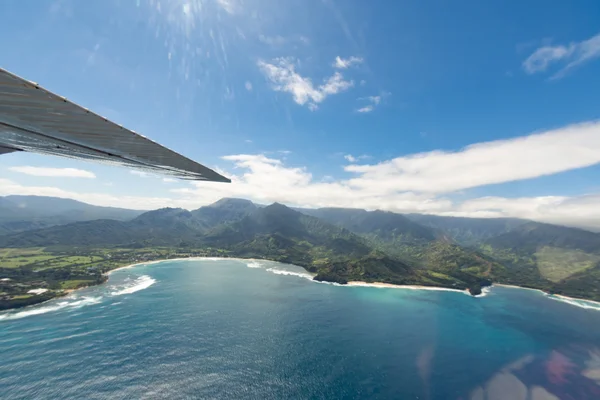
(381, 285)
(558, 297)
(522, 288)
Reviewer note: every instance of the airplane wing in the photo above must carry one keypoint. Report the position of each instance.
(36, 120)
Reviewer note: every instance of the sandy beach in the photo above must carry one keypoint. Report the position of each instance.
(409, 287)
(381, 285)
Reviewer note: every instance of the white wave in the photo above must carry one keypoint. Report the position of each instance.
(292, 273)
(141, 283)
(327, 283)
(407, 287)
(588, 305)
(55, 307)
(484, 291)
(254, 264)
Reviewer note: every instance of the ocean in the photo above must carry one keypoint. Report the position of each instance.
(242, 329)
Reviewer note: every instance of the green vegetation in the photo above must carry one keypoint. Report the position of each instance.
(59, 271)
(337, 245)
(556, 264)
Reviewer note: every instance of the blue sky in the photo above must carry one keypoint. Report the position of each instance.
(456, 108)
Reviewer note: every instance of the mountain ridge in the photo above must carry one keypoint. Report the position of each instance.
(353, 244)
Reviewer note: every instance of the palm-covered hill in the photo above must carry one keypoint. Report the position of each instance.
(351, 244)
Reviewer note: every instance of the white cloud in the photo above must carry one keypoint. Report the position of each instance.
(54, 172)
(227, 5)
(169, 180)
(574, 146)
(282, 74)
(581, 211)
(570, 56)
(141, 174)
(102, 199)
(248, 141)
(352, 159)
(412, 183)
(248, 86)
(278, 40)
(343, 63)
(374, 100)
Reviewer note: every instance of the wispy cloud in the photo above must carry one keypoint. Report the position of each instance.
(421, 182)
(352, 159)
(248, 86)
(574, 146)
(169, 180)
(282, 74)
(365, 109)
(228, 5)
(569, 56)
(278, 40)
(343, 63)
(422, 175)
(54, 172)
(418, 182)
(141, 174)
(581, 211)
(374, 100)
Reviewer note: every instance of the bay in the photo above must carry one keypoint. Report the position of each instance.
(257, 329)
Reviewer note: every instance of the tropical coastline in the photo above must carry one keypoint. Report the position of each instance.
(181, 318)
(589, 304)
(573, 301)
(382, 285)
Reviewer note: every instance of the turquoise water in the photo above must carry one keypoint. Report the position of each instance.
(241, 329)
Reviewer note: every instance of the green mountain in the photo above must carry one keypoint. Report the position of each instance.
(279, 221)
(531, 236)
(351, 244)
(23, 213)
(423, 247)
(223, 211)
(467, 231)
(332, 252)
(163, 227)
(88, 233)
(274, 232)
(551, 257)
(385, 225)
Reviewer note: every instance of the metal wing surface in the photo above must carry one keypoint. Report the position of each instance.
(36, 120)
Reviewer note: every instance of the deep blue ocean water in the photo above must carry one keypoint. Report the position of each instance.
(248, 329)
